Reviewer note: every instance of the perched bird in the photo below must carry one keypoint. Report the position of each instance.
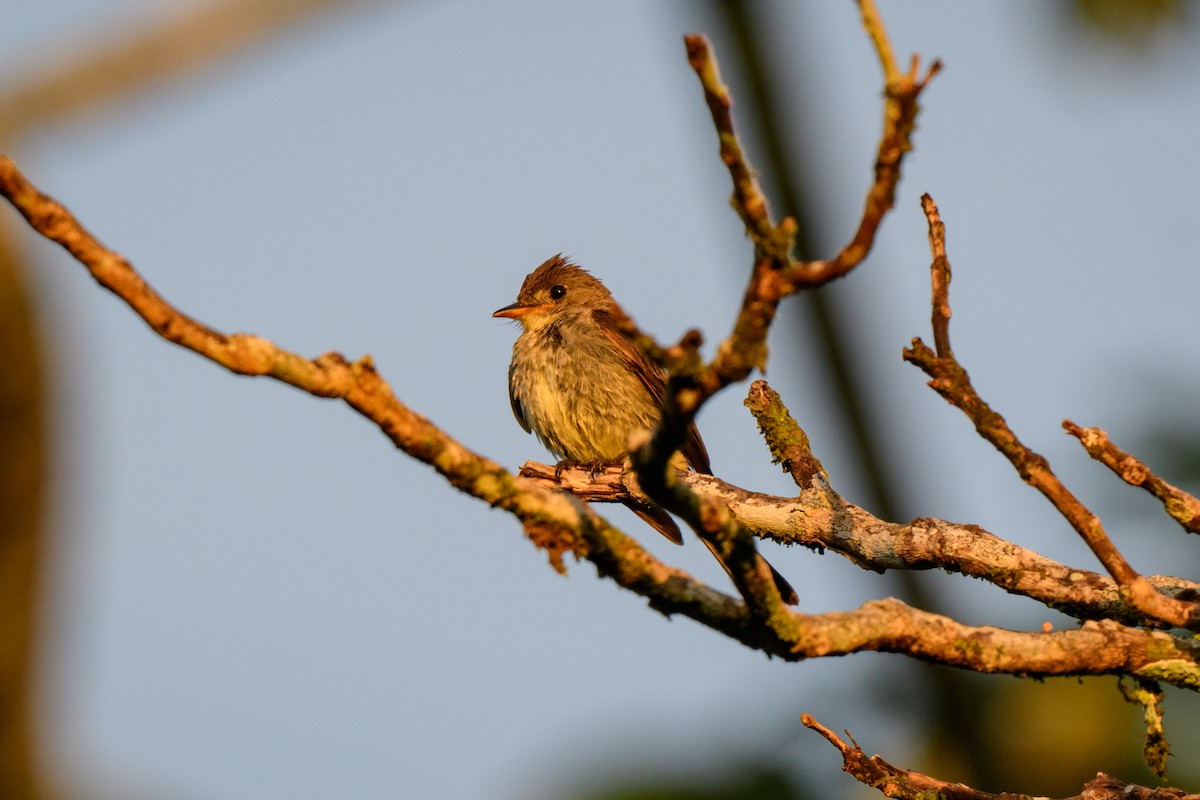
(583, 387)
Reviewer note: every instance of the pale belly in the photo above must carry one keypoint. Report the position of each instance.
(585, 416)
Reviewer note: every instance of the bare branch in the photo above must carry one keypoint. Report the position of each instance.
(773, 242)
(329, 375)
(748, 198)
(552, 519)
(950, 380)
(775, 274)
(895, 781)
(818, 518)
(561, 524)
(902, 783)
(1181, 506)
(889, 625)
(939, 273)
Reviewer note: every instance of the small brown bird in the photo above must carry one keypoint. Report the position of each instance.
(583, 387)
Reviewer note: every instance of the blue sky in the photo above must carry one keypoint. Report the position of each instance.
(254, 595)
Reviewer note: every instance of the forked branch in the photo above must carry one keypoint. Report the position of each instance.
(775, 273)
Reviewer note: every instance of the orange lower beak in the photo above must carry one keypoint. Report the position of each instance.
(517, 310)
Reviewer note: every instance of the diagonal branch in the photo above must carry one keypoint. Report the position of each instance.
(950, 379)
(776, 274)
(553, 520)
(329, 375)
(560, 524)
(748, 200)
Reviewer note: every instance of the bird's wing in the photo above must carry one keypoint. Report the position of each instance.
(514, 400)
(655, 380)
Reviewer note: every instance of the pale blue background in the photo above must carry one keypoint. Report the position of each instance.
(255, 596)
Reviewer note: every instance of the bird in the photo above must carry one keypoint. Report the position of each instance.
(582, 385)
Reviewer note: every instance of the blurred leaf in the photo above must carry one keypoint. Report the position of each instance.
(1134, 24)
(1052, 737)
(23, 471)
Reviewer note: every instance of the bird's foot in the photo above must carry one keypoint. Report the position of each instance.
(594, 468)
(597, 467)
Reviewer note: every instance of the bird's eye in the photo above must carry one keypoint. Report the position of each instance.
(557, 292)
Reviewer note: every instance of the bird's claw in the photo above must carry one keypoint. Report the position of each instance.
(594, 468)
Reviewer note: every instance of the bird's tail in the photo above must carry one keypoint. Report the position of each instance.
(664, 523)
(781, 583)
(658, 519)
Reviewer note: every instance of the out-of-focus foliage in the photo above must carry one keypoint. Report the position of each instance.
(1132, 24)
(22, 490)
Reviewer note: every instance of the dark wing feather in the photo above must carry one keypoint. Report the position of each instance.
(655, 381)
(515, 401)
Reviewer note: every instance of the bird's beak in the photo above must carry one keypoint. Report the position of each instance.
(517, 310)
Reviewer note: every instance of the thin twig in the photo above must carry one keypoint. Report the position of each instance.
(1181, 506)
(787, 440)
(939, 273)
(748, 198)
(873, 24)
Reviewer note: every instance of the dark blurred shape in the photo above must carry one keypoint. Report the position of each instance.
(55, 83)
(743, 780)
(1174, 451)
(1165, 433)
(101, 72)
(23, 460)
(1053, 737)
(1133, 24)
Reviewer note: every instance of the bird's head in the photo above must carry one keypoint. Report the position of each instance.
(556, 290)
